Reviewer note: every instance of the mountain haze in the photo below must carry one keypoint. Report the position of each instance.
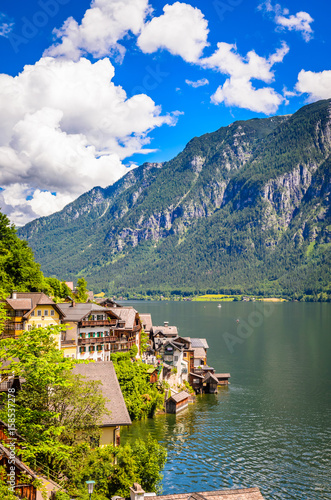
(245, 208)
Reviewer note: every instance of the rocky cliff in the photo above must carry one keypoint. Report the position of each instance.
(245, 207)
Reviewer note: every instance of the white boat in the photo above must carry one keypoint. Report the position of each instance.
(219, 305)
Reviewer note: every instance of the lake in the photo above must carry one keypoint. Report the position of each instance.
(271, 427)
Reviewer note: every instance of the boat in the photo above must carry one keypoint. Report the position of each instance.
(219, 305)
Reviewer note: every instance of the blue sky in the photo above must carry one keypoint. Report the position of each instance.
(90, 89)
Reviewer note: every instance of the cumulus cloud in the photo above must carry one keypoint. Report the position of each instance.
(182, 30)
(317, 85)
(6, 26)
(102, 26)
(198, 83)
(300, 21)
(238, 90)
(65, 127)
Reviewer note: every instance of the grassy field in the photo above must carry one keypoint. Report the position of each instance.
(217, 298)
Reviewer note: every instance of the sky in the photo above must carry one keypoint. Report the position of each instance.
(91, 90)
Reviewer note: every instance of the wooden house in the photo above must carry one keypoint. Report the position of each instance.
(223, 378)
(209, 383)
(178, 402)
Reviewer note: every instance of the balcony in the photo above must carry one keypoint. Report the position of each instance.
(102, 322)
(12, 326)
(97, 340)
(67, 343)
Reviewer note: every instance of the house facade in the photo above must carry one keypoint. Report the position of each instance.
(25, 311)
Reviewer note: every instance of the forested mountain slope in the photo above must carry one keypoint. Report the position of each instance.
(244, 208)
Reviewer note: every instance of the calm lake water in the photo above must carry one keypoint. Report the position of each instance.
(271, 427)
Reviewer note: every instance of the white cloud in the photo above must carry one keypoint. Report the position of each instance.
(6, 26)
(198, 83)
(317, 85)
(182, 30)
(102, 26)
(65, 127)
(238, 90)
(300, 21)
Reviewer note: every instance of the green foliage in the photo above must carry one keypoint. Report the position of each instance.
(144, 341)
(81, 290)
(18, 269)
(56, 288)
(133, 351)
(141, 397)
(115, 469)
(54, 410)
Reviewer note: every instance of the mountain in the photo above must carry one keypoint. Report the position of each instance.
(243, 209)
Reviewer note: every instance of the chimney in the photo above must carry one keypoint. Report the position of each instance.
(14, 295)
(136, 492)
(73, 303)
(166, 323)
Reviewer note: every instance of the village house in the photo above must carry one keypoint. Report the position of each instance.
(159, 334)
(172, 356)
(90, 333)
(26, 310)
(118, 414)
(177, 402)
(137, 493)
(128, 328)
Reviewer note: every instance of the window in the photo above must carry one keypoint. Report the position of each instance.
(46, 312)
(32, 314)
(52, 312)
(176, 358)
(38, 326)
(29, 327)
(39, 312)
(99, 317)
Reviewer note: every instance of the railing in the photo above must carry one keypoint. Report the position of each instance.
(4, 386)
(101, 322)
(96, 340)
(68, 342)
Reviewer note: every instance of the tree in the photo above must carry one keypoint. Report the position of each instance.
(54, 410)
(81, 294)
(18, 269)
(144, 341)
(141, 397)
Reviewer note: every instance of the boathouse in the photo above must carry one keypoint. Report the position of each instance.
(177, 402)
(210, 383)
(223, 378)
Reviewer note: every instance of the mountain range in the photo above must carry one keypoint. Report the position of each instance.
(245, 209)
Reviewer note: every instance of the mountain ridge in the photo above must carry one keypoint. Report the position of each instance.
(235, 204)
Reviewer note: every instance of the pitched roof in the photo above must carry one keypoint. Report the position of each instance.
(80, 310)
(180, 396)
(28, 301)
(222, 375)
(146, 321)
(105, 373)
(237, 494)
(170, 331)
(127, 314)
(209, 376)
(20, 465)
(199, 352)
(199, 343)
